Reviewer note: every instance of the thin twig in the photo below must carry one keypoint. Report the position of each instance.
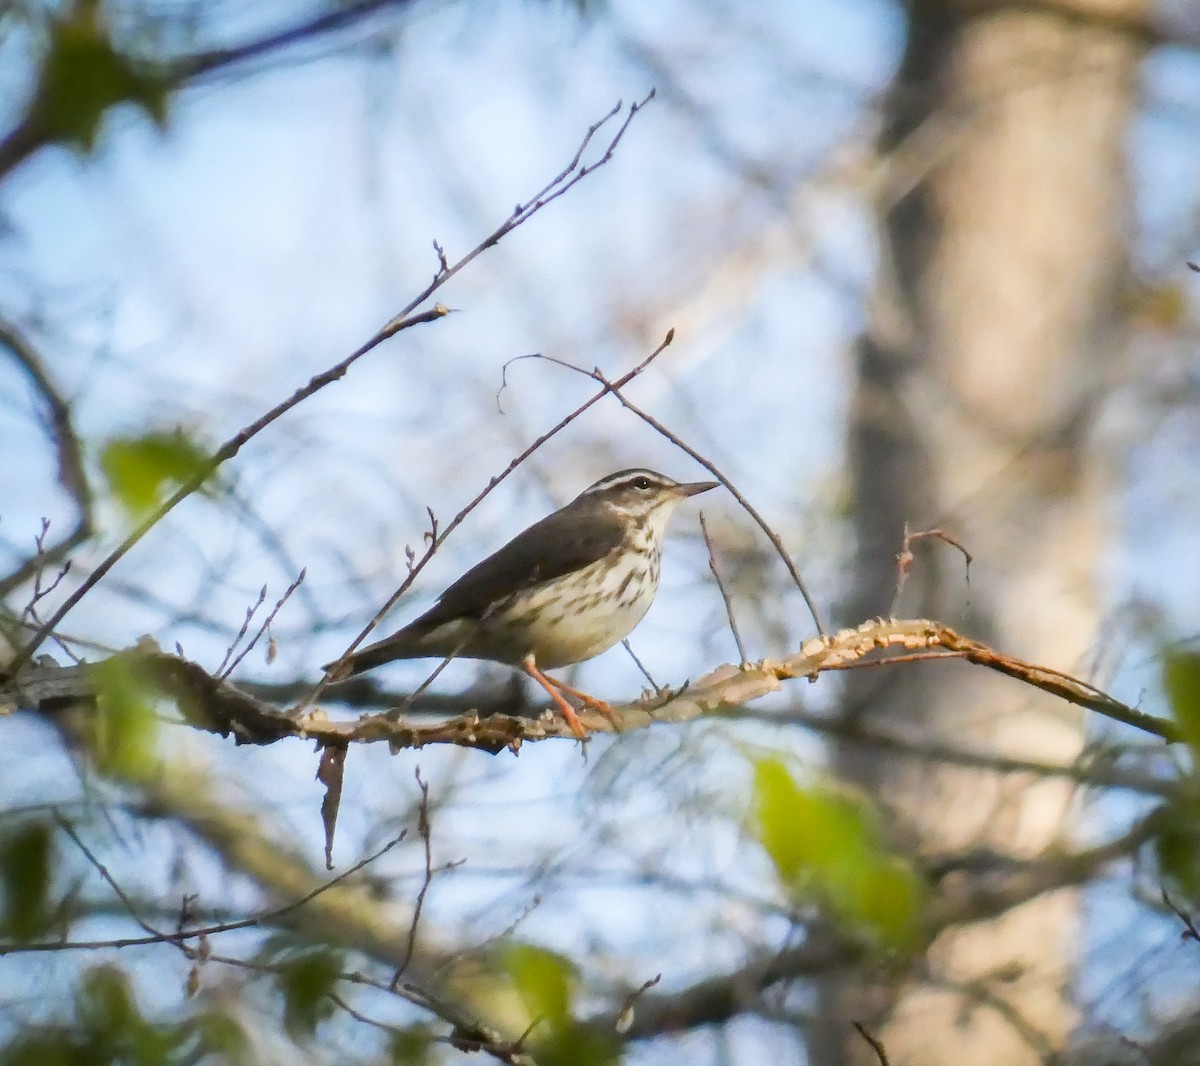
(876, 1046)
(424, 831)
(67, 828)
(474, 1035)
(712, 565)
(567, 179)
(1190, 932)
(40, 591)
(641, 666)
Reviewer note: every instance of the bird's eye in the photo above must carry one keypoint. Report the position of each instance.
(642, 483)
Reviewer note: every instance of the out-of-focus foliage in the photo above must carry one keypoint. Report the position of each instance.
(109, 1026)
(827, 848)
(305, 975)
(83, 74)
(26, 865)
(123, 729)
(545, 983)
(140, 470)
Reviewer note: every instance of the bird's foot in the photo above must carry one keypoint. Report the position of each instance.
(590, 702)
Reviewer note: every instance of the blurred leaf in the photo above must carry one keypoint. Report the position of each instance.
(543, 980)
(411, 1046)
(124, 729)
(1177, 846)
(140, 470)
(826, 846)
(114, 1025)
(573, 1044)
(893, 900)
(50, 1048)
(306, 981)
(217, 1034)
(106, 1001)
(1181, 682)
(83, 76)
(25, 868)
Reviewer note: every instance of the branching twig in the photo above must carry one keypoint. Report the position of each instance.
(287, 595)
(221, 672)
(219, 707)
(904, 558)
(712, 565)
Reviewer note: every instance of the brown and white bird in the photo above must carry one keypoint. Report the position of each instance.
(562, 591)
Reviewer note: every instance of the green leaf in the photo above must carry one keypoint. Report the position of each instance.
(411, 1046)
(219, 1035)
(106, 1001)
(124, 729)
(83, 76)
(1177, 845)
(1181, 682)
(306, 981)
(573, 1044)
(140, 470)
(892, 901)
(543, 980)
(25, 867)
(53, 1047)
(827, 848)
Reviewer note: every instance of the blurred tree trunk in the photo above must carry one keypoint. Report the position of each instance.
(987, 354)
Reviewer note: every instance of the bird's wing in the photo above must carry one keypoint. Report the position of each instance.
(531, 557)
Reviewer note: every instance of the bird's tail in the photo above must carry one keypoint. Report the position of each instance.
(400, 645)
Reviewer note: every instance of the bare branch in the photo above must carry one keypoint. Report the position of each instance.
(217, 706)
(712, 565)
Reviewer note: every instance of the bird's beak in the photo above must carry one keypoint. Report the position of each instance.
(694, 488)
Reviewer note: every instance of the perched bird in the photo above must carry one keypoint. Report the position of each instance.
(567, 588)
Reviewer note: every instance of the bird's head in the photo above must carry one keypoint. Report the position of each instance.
(640, 496)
